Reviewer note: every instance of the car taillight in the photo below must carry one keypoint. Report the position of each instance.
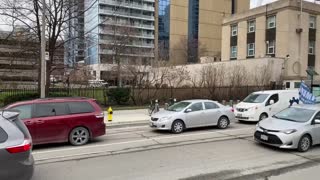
(101, 115)
(232, 109)
(25, 146)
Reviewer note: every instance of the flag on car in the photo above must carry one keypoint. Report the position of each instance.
(305, 94)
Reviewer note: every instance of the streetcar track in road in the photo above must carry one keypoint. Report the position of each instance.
(157, 138)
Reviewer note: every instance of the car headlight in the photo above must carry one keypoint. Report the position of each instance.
(289, 131)
(166, 118)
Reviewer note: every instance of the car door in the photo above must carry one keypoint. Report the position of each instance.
(195, 118)
(25, 114)
(273, 108)
(50, 122)
(212, 113)
(315, 130)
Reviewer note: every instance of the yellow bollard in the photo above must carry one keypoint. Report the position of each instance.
(110, 112)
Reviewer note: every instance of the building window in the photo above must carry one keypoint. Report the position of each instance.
(311, 47)
(251, 26)
(271, 22)
(312, 22)
(271, 47)
(233, 52)
(234, 30)
(250, 52)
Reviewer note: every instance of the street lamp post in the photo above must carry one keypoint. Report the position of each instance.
(43, 51)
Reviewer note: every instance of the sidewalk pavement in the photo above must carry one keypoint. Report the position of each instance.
(128, 117)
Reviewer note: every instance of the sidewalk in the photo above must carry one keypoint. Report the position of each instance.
(128, 117)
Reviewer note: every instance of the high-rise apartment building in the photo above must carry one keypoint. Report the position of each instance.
(187, 29)
(118, 31)
(75, 42)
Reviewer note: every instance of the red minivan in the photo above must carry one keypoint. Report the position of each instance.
(74, 120)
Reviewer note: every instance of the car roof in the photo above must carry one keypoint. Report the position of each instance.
(277, 91)
(47, 100)
(198, 100)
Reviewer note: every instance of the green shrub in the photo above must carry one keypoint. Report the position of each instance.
(120, 96)
(9, 99)
(19, 97)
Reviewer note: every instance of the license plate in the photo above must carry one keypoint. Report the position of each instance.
(239, 115)
(264, 137)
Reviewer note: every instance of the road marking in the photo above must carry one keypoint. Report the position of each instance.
(122, 133)
(136, 141)
(116, 129)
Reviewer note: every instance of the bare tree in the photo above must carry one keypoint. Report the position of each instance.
(80, 75)
(238, 76)
(213, 76)
(58, 13)
(192, 49)
(262, 75)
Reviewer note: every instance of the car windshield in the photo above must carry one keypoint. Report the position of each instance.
(295, 114)
(178, 106)
(256, 98)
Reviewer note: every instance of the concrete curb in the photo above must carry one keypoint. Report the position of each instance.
(112, 125)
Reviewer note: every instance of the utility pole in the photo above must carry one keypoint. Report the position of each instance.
(43, 52)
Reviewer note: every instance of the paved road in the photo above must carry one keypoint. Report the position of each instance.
(140, 153)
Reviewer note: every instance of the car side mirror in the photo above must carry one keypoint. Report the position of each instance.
(271, 102)
(188, 110)
(316, 121)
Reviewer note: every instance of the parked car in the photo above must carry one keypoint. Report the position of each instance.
(15, 148)
(191, 114)
(262, 104)
(54, 120)
(297, 127)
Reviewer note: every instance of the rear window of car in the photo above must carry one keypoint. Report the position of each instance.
(3, 135)
(80, 107)
(25, 111)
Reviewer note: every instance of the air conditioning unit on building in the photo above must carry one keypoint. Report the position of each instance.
(299, 30)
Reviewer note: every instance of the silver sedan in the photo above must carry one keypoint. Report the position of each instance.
(191, 114)
(296, 127)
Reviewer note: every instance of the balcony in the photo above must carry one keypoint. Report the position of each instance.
(134, 44)
(110, 52)
(127, 24)
(126, 14)
(129, 5)
(137, 35)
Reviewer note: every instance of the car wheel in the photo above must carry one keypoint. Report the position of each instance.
(177, 127)
(223, 122)
(304, 143)
(79, 136)
(263, 116)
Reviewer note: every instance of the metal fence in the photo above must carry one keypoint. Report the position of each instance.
(142, 96)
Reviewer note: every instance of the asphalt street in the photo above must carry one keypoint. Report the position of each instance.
(142, 153)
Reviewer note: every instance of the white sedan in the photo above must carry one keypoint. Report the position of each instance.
(192, 114)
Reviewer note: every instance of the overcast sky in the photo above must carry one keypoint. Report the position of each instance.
(254, 3)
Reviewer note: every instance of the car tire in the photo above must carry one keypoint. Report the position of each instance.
(223, 122)
(177, 127)
(79, 136)
(305, 143)
(263, 116)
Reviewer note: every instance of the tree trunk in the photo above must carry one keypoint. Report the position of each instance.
(119, 74)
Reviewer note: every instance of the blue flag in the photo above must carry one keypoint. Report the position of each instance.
(305, 94)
